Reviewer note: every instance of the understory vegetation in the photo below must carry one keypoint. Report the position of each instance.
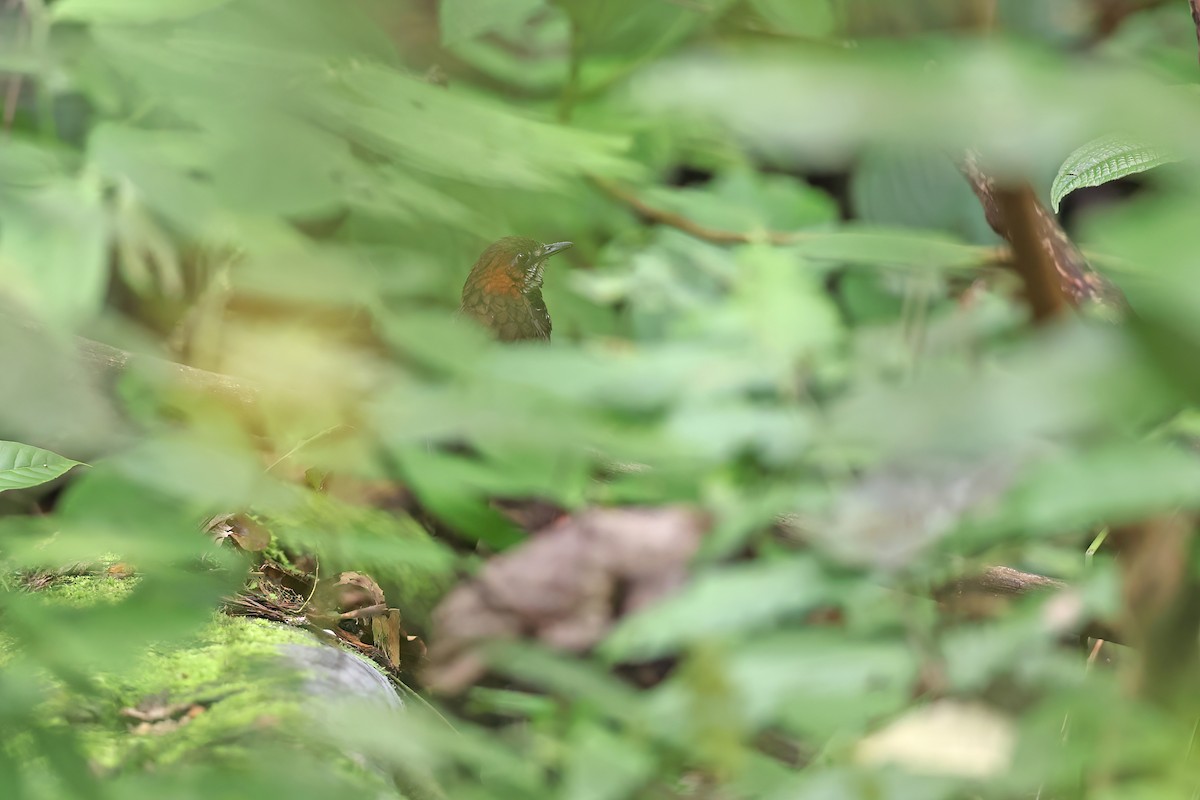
(862, 463)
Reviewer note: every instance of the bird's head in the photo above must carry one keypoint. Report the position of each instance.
(512, 266)
(504, 289)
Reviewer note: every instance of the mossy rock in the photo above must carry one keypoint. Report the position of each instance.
(231, 699)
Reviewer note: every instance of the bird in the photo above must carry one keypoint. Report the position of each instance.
(504, 289)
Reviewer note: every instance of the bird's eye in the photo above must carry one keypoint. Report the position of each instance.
(521, 257)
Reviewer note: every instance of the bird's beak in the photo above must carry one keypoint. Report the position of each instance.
(553, 247)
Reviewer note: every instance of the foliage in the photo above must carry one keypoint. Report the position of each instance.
(292, 194)
(1106, 159)
(23, 466)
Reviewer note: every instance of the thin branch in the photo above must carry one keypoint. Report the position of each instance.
(999, 583)
(1043, 254)
(987, 255)
(688, 226)
(1008, 581)
(111, 363)
(12, 93)
(1032, 260)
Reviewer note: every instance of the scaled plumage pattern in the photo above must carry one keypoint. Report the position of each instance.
(504, 289)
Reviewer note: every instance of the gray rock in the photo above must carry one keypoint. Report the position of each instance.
(330, 673)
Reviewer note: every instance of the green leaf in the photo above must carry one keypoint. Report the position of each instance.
(915, 188)
(635, 26)
(821, 681)
(466, 19)
(604, 766)
(1113, 484)
(53, 249)
(839, 101)
(131, 11)
(865, 244)
(783, 306)
(437, 132)
(1106, 159)
(748, 202)
(726, 602)
(23, 465)
(810, 18)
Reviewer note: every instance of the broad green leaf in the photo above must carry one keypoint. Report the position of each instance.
(747, 202)
(821, 107)
(721, 431)
(809, 18)
(26, 166)
(53, 250)
(437, 131)
(917, 189)
(633, 26)
(1106, 159)
(780, 302)
(820, 681)
(131, 11)
(725, 602)
(23, 465)
(1108, 484)
(605, 766)
(466, 19)
(883, 246)
(276, 166)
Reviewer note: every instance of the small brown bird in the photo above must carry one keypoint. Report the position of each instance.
(504, 289)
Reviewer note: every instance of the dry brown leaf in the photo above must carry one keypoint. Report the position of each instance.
(356, 590)
(564, 587)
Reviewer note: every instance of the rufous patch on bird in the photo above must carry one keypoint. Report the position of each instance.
(503, 292)
(499, 281)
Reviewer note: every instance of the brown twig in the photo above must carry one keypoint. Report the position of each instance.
(690, 227)
(110, 363)
(1109, 15)
(377, 610)
(113, 362)
(1051, 266)
(651, 213)
(1161, 603)
(1006, 581)
(1032, 258)
(999, 583)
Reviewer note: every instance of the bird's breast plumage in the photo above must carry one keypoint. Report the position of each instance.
(504, 289)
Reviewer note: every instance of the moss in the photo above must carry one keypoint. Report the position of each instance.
(87, 590)
(230, 699)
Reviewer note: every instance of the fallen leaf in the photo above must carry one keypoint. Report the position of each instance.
(565, 587)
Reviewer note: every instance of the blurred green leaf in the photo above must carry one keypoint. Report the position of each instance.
(434, 130)
(745, 202)
(1118, 483)
(723, 602)
(632, 27)
(819, 108)
(131, 11)
(866, 244)
(605, 766)
(919, 190)
(783, 307)
(53, 250)
(819, 682)
(466, 19)
(810, 18)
